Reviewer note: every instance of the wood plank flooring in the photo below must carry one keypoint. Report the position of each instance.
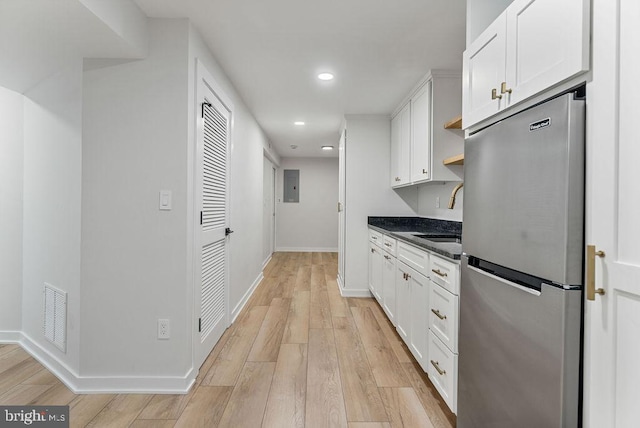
(299, 355)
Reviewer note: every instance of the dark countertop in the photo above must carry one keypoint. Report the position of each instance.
(403, 229)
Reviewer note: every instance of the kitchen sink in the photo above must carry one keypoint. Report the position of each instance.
(440, 238)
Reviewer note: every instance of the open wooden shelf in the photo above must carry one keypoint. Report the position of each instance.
(454, 160)
(455, 123)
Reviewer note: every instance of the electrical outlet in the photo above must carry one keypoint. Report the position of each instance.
(163, 329)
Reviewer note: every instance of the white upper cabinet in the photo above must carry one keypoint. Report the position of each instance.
(532, 46)
(420, 134)
(419, 142)
(483, 68)
(400, 146)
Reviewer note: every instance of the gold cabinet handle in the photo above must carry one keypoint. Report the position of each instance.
(424, 171)
(438, 314)
(373, 251)
(438, 272)
(387, 244)
(397, 178)
(591, 272)
(438, 369)
(494, 94)
(503, 88)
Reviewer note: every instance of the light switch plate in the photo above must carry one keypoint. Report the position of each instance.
(165, 200)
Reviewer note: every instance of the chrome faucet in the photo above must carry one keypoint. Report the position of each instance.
(452, 200)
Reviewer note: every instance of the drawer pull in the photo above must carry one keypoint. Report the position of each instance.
(387, 257)
(438, 369)
(438, 314)
(387, 244)
(439, 272)
(375, 238)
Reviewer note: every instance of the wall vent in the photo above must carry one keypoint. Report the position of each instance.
(55, 316)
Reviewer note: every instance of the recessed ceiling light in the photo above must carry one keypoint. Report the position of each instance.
(325, 76)
(298, 123)
(327, 147)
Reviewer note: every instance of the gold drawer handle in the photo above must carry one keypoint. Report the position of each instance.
(438, 272)
(387, 244)
(437, 366)
(438, 314)
(591, 272)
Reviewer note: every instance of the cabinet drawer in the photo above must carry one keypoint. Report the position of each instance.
(375, 237)
(443, 316)
(414, 257)
(443, 371)
(445, 273)
(389, 245)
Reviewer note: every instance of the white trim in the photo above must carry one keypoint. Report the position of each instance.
(345, 292)
(101, 384)
(306, 250)
(236, 311)
(266, 261)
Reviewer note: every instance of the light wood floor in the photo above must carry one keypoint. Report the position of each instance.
(299, 355)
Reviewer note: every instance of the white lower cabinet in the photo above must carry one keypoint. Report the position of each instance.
(419, 319)
(443, 371)
(412, 320)
(403, 300)
(418, 292)
(375, 270)
(389, 287)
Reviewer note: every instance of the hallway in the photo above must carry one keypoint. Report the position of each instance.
(299, 355)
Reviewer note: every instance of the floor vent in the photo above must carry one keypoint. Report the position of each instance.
(55, 316)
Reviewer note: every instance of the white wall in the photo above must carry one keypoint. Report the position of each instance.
(312, 223)
(52, 203)
(11, 178)
(246, 190)
(428, 195)
(134, 257)
(368, 193)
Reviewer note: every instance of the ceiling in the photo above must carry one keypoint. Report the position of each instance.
(272, 51)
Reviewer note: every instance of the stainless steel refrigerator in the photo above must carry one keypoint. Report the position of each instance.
(522, 269)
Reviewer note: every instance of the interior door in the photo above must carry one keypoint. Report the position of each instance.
(612, 324)
(211, 196)
(341, 206)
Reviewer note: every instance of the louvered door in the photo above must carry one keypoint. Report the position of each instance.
(211, 272)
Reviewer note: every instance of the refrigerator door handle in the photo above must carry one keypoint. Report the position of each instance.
(504, 281)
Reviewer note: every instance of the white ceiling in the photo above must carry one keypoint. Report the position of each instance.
(272, 51)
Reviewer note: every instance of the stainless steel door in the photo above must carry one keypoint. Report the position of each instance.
(524, 197)
(519, 362)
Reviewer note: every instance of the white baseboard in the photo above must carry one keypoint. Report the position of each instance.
(346, 292)
(236, 311)
(10, 336)
(306, 250)
(266, 261)
(107, 384)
